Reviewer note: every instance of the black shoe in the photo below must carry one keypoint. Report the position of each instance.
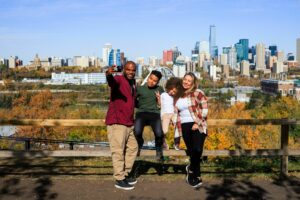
(191, 180)
(194, 181)
(159, 154)
(131, 180)
(122, 184)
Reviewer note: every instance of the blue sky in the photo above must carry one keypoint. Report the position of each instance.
(141, 28)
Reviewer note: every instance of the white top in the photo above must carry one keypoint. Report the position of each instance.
(183, 107)
(167, 102)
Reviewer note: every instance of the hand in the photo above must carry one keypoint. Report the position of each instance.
(195, 127)
(157, 97)
(111, 70)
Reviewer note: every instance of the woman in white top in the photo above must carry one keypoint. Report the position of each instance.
(190, 118)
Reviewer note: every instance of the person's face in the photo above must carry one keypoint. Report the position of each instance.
(172, 91)
(129, 71)
(152, 81)
(187, 82)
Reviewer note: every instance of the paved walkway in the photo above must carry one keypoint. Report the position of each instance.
(72, 188)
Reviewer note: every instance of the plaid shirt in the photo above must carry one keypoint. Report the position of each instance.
(198, 107)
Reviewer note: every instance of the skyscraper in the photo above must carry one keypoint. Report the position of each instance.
(245, 44)
(273, 49)
(260, 56)
(105, 53)
(167, 56)
(213, 48)
(204, 47)
(114, 57)
(195, 52)
(298, 50)
(239, 52)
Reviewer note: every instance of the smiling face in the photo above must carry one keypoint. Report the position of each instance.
(187, 82)
(172, 91)
(129, 70)
(152, 81)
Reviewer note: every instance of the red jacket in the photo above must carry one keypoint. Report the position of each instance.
(122, 100)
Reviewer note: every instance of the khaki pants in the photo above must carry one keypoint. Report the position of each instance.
(166, 118)
(123, 147)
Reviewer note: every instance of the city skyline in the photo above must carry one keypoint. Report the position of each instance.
(141, 28)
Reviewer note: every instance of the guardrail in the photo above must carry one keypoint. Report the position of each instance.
(284, 151)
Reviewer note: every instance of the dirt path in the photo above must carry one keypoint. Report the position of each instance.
(70, 188)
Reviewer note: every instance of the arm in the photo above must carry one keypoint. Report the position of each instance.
(110, 78)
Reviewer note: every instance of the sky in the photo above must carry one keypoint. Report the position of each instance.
(141, 28)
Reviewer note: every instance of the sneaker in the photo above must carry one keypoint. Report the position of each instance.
(194, 182)
(131, 180)
(159, 154)
(122, 184)
(176, 147)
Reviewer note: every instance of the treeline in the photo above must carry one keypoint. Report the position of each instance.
(46, 105)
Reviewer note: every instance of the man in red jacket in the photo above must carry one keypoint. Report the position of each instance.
(119, 121)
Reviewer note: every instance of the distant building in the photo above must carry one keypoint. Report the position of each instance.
(282, 87)
(114, 57)
(273, 49)
(245, 45)
(195, 52)
(298, 50)
(77, 78)
(167, 56)
(12, 62)
(179, 68)
(280, 56)
(140, 61)
(213, 48)
(245, 68)
(213, 72)
(225, 70)
(81, 61)
(204, 47)
(239, 52)
(105, 53)
(232, 58)
(260, 57)
(153, 61)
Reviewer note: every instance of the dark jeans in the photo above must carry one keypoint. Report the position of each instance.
(194, 141)
(146, 118)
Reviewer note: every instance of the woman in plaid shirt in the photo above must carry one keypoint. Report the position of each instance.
(190, 119)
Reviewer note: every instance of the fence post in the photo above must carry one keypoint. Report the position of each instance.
(285, 150)
(27, 145)
(71, 145)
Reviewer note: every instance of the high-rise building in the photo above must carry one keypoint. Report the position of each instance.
(280, 56)
(298, 50)
(12, 61)
(153, 61)
(213, 49)
(245, 68)
(204, 47)
(232, 58)
(81, 61)
(245, 44)
(223, 59)
(260, 57)
(140, 61)
(167, 56)
(239, 52)
(273, 49)
(175, 53)
(195, 52)
(115, 57)
(105, 53)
